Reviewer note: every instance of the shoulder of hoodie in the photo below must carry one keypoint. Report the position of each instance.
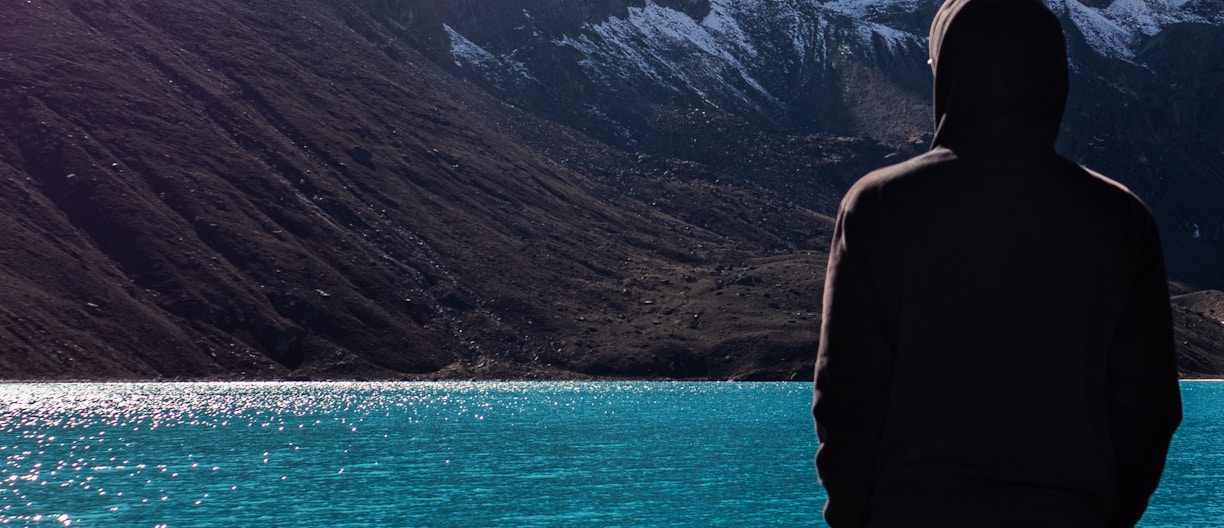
(1121, 194)
(914, 170)
(1113, 186)
(869, 187)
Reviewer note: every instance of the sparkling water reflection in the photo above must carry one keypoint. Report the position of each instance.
(452, 454)
(445, 454)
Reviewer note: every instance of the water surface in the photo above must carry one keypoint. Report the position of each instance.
(455, 454)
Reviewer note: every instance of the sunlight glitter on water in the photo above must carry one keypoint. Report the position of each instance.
(451, 454)
(432, 454)
(106, 445)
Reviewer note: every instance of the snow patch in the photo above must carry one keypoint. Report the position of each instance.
(1116, 30)
(723, 23)
(670, 48)
(1113, 31)
(872, 9)
(720, 54)
(467, 53)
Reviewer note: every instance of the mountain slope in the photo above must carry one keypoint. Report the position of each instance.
(1144, 107)
(271, 189)
(282, 189)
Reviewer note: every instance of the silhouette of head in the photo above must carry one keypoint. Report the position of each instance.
(1000, 71)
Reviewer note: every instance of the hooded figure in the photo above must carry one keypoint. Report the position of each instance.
(997, 346)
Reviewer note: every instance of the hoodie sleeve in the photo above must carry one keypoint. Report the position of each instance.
(853, 368)
(1145, 400)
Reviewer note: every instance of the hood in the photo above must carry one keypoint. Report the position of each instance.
(1000, 72)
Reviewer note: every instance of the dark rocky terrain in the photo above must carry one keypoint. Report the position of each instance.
(715, 82)
(274, 189)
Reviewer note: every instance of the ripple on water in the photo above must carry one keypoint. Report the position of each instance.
(451, 454)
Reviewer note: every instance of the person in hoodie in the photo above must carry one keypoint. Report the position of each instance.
(996, 347)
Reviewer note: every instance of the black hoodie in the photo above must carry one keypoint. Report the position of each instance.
(996, 346)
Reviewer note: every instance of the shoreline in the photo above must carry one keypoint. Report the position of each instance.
(270, 381)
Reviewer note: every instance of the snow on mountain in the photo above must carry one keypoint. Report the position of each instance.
(671, 48)
(723, 51)
(469, 54)
(831, 66)
(691, 79)
(682, 53)
(1112, 27)
(871, 9)
(1118, 28)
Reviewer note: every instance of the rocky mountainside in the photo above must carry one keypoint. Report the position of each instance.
(282, 189)
(277, 189)
(686, 78)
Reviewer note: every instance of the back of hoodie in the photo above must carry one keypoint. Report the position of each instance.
(996, 346)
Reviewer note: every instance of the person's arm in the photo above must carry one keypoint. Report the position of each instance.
(853, 369)
(1145, 402)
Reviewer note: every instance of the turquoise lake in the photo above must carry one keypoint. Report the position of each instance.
(457, 454)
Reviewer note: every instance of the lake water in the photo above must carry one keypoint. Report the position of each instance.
(456, 454)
